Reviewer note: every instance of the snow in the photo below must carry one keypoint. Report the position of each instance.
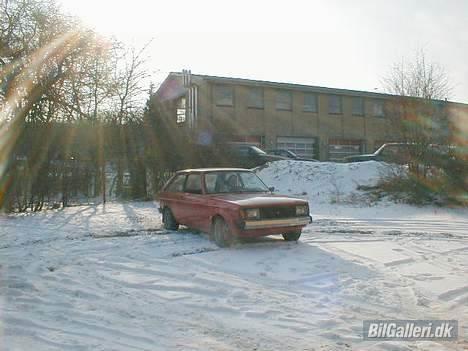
(332, 191)
(110, 278)
(321, 182)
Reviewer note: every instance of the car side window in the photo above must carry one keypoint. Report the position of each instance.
(223, 182)
(243, 151)
(193, 184)
(210, 182)
(228, 182)
(177, 185)
(389, 150)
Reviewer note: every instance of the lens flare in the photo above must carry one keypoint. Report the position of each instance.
(39, 71)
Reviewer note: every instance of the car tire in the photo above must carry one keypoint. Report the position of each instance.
(292, 236)
(221, 233)
(168, 219)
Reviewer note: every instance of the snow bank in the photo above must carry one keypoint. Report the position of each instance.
(322, 182)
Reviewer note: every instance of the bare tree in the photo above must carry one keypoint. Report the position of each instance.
(129, 92)
(419, 108)
(52, 70)
(41, 51)
(422, 118)
(418, 78)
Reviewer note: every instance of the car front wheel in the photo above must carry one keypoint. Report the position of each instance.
(292, 236)
(169, 220)
(221, 233)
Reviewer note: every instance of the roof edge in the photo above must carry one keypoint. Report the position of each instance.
(304, 87)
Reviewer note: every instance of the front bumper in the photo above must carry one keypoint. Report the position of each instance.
(277, 223)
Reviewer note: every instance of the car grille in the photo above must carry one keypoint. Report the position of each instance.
(277, 212)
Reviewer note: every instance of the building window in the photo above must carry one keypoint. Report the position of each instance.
(310, 102)
(378, 108)
(255, 98)
(181, 110)
(224, 95)
(284, 100)
(358, 106)
(334, 104)
(180, 115)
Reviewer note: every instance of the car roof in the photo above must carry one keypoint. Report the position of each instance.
(191, 170)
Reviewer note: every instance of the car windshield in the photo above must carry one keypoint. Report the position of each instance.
(233, 182)
(257, 150)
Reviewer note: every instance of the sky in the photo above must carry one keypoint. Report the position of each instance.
(333, 43)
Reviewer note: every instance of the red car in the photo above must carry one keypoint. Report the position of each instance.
(228, 203)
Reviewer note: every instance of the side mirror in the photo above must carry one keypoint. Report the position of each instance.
(271, 188)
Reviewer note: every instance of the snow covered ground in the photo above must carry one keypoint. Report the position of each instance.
(109, 278)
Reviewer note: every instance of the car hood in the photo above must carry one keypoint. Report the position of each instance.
(364, 155)
(360, 157)
(260, 200)
(273, 157)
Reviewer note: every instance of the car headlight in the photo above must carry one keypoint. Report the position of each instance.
(302, 210)
(252, 213)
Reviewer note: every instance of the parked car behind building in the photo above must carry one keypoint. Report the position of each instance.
(249, 156)
(289, 154)
(389, 152)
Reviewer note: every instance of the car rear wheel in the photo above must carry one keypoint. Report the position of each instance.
(169, 220)
(292, 236)
(221, 233)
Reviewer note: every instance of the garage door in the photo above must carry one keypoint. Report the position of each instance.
(340, 148)
(304, 147)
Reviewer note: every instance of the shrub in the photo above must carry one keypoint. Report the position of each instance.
(441, 184)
